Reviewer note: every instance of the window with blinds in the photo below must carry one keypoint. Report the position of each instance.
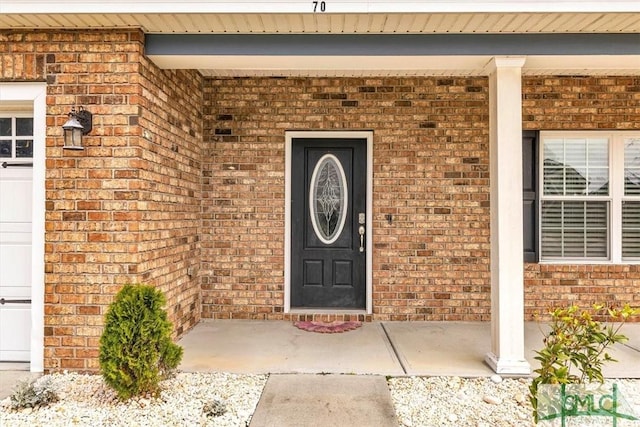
(590, 204)
(575, 182)
(631, 207)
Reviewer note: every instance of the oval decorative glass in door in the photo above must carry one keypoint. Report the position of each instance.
(328, 199)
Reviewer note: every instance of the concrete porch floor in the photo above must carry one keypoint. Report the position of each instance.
(385, 348)
(381, 348)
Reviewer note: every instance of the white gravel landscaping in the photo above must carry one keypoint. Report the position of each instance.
(187, 398)
(483, 402)
(85, 400)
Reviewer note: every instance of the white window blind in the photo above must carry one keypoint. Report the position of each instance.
(631, 229)
(632, 166)
(575, 229)
(575, 206)
(631, 199)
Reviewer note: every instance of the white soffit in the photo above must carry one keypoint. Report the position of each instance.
(331, 6)
(254, 65)
(583, 21)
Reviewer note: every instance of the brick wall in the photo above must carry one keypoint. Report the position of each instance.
(431, 262)
(430, 174)
(580, 103)
(170, 106)
(125, 209)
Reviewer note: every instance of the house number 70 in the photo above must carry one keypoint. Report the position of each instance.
(319, 6)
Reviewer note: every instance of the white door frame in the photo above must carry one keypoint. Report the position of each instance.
(34, 95)
(289, 136)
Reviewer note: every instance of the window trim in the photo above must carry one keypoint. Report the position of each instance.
(615, 198)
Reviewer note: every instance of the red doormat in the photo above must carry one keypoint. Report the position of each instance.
(334, 327)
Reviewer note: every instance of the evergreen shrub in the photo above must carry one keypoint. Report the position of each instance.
(136, 350)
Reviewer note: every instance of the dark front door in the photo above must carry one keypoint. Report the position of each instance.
(328, 230)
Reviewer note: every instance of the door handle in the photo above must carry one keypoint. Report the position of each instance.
(361, 231)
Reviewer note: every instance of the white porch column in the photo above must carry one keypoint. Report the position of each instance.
(507, 265)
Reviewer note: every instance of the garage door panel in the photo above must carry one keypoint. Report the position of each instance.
(15, 342)
(15, 263)
(16, 268)
(16, 232)
(15, 198)
(16, 217)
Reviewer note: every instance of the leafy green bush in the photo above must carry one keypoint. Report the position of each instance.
(32, 394)
(576, 340)
(136, 350)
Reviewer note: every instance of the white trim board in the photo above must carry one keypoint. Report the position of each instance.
(289, 136)
(34, 94)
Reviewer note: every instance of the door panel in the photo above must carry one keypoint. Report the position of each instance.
(15, 262)
(328, 267)
(15, 337)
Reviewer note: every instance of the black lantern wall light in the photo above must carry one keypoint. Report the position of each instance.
(79, 123)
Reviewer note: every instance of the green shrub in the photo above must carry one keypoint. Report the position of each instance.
(576, 340)
(33, 394)
(136, 350)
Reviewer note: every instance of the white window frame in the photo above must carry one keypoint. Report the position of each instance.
(615, 198)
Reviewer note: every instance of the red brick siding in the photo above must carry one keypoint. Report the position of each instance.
(580, 103)
(125, 209)
(170, 188)
(430, 174)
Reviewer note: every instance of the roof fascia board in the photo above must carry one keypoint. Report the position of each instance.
(392, 44)
(350, 6)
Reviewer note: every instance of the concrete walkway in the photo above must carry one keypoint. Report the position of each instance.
(297, 395)
(304, 400)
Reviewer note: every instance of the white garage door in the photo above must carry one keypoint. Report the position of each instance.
(16, 183)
